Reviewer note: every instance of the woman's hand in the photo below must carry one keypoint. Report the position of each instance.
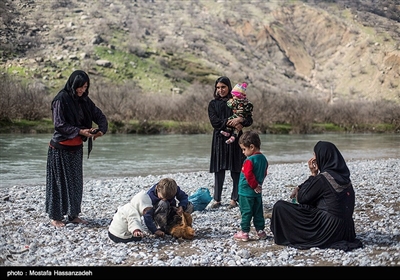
(312, 165)
(85, 132)
(295, 192)
(234, 122)
(258, 189)
(97, 134)
(91, 133)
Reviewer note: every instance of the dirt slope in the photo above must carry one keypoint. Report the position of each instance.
(345, 50)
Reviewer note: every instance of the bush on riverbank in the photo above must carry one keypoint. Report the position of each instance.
(26, 108)
(169, 127)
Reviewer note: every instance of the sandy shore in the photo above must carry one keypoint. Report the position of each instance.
(28, 239)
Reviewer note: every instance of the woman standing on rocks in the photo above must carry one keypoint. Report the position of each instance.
(323, 216)
(225, 156)
(73, 113)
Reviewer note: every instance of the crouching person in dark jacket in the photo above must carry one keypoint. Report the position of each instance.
(164, 196)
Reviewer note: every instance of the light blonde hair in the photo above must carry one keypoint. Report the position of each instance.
(167, 188)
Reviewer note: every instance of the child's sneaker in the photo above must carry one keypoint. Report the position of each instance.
(230, 140)
(226, 134)
(261, 234)
(240, 235)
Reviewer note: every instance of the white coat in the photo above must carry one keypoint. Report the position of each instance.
(128, 217)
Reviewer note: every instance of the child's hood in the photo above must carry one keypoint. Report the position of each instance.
(141, 201)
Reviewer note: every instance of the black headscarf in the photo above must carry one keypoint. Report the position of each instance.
(329, 159)
(76, 108)
(225, 81)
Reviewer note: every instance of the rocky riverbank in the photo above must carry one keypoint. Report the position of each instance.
(28, 239)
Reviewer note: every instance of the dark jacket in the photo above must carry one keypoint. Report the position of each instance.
(148, 217)
(72, 113)
(180, 196)
(224, 156)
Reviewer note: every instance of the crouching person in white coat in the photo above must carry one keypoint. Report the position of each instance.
(126, 225)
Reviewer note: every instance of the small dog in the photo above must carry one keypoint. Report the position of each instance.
(183, 229)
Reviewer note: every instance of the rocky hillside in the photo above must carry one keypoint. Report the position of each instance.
(331, 49)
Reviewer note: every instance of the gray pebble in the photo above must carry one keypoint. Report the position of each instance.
(28, 239)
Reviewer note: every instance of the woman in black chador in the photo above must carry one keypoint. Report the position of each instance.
(73, 116)
(323, 216)
(225, 156)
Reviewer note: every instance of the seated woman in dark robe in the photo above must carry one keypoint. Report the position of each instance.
(323, 215)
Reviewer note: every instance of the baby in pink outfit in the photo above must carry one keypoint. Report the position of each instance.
(241, 107)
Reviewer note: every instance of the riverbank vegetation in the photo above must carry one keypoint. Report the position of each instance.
(25, 108)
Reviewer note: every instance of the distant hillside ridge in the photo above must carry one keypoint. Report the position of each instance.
(333, 50)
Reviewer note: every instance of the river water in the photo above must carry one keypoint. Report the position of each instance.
(23, 156)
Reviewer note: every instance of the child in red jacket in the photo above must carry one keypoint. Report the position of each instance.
(254, 171)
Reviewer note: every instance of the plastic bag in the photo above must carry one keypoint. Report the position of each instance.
(200, 199)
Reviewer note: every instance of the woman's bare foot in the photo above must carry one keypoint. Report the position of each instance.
(78, 220)
(57, 223)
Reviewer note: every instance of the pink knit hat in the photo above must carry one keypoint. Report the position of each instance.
(239, 90)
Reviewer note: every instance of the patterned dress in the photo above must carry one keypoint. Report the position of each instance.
(64, 178)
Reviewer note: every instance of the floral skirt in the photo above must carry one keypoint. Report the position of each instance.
(64, 183)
